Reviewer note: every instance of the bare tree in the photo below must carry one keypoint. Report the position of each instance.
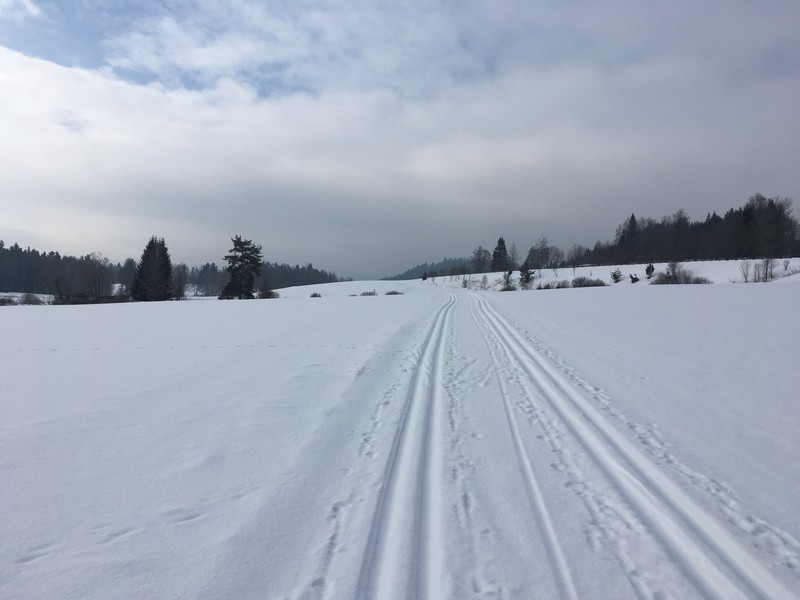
(574, 256)
(513, 256)
(539, 256)
(96, 272)
(744, 268)
(768, 268)
(180, 279)
(554, 259)
(480, 259)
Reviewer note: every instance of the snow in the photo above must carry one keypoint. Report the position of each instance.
(631, 441)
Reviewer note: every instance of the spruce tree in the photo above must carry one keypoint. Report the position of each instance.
(500, 256)
(153, 280)
(244, 264)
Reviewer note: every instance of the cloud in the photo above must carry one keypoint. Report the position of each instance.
(367, 137)
(296, 46)
(18, 10)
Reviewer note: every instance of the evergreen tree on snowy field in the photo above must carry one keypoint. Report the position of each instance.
(500, 256)
(126, 275)
(244, 264)
(153, 280)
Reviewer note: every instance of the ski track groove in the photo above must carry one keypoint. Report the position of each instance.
(535, 496)
(690, 534)
(610, 521)
(408, 511)
(780, 545)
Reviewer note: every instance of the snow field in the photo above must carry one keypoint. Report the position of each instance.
(595, 443)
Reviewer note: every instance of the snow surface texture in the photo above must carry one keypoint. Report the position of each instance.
(625, 442)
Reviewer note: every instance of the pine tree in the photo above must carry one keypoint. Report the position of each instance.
(500, 256)
(153, 280)
(127, 274)
(244, 264)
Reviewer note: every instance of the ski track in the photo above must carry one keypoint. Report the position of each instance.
(708, 554)
(783, 548)
(535, 495)
(405, 543)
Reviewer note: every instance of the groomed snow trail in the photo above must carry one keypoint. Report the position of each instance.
(405, 542)
(537, 500)
(706, 552)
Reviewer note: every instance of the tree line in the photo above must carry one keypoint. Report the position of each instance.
(762, 228)
(94, 278)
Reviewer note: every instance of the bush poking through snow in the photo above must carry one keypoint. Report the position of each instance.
(507, 285)
(316, 295)
(676, 274)
(394, 293)
(553, 285)
(6, 301)
(616, 275)
(268, 295)
(649, 270)
(31, 300)
(580, 282)
(372, 293)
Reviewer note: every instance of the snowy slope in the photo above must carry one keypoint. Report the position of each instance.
(621, 442)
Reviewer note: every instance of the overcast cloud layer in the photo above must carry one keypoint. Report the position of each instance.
(368, 136)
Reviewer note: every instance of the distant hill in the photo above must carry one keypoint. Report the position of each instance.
(443, 267)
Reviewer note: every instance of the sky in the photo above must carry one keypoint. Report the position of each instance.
(369, 136)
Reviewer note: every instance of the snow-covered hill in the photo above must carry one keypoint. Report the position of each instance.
(632, 441)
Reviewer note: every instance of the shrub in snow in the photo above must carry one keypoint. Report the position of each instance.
(553, 285)
(372, 293)
(582, 281)
(634, 278)
(31, 300)
(394, 293)
(616, 275)
(676, 274)
(6, 301)
(268, 295)
(649, 271)
(507, 285)
(316, 295)
(525, 276)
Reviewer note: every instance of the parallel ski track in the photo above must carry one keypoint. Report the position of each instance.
(402, 556)
(535, 496)
(693, 538)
